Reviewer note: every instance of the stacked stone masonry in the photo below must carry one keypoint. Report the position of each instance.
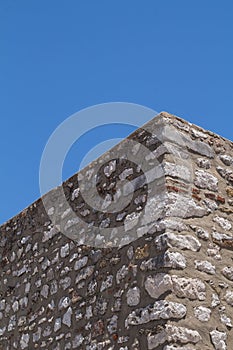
(170, 288)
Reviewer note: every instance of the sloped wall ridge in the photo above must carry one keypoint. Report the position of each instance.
(160, 277)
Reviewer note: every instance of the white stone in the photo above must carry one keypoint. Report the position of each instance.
(221, 237)
(198, 134)
(201, 233)
(24, 341)
(160, 310)
(126, 173)
(158, 284)
(65, 250)
(133, 296)
(67, 317)
(171, 239)
(131, 220)
(182, 206)
(229, 297)
(228, 272)
(121, 273)
(173, 334)
(215, 300)
(177, 171)
(202, 313)
(110, 168)
(75, 194)
(206, 180)
(57, 324)
(107, 283)
(224, 223)
(226, 320)
(227, 160)
(218, 340)
(174, 224)
(45, 291)
(205, 266)
(191, 288)
(175, 260)
(80, 263)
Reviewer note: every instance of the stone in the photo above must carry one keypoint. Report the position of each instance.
(112, 324)
(229, 297)
(175, 334)
(107, 283)
(182, 206)
(177, 171)
(191, 288)
(215, 300)
(205, 266)
(202, 313)
(160, 310)
(122, 273)
(184, 242)
(65, 250)
(133, 296)
(80, 263)
(158, 285)
(226, 320)
(66, 320)
(204, 163)
(24, 341)
(226, 159)
(223, 223)
(174, 260)
(57, 324)
(45, 291)
(201, 233)
(228, 272)
(218, 340)
(205, 180)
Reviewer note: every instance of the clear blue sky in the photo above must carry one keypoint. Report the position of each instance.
(57, 57)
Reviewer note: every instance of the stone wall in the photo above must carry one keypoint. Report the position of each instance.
(162, 279)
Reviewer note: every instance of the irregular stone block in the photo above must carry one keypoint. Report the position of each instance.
(218, 339)
(160, 310)
(170, 239)
(206, 180)
(173, 334)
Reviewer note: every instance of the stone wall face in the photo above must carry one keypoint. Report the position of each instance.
(167, 283)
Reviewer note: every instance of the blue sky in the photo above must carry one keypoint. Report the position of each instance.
(59, 57)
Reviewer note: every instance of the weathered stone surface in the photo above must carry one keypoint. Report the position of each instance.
(229, 297)
(228, 272)
(202, 313)
(184, 207)
(218, 339)
(170, 239)
(205, 266)
(160, 310)
(180, 286)
(158, 285)
(206, 180)
(173, 334)
(133, 296)
(159, 271)
(174, 260)
(189, 288)
(223, 223)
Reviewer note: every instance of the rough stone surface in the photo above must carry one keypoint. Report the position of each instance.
(156, 274)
